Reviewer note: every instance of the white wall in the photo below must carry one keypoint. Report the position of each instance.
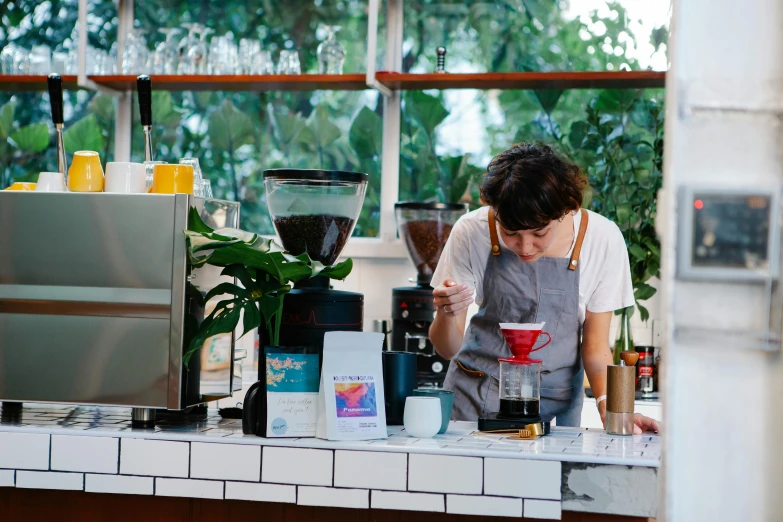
(722, 456)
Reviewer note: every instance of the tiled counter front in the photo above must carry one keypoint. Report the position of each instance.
(95, 450)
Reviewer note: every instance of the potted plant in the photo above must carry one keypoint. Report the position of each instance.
(266, 273)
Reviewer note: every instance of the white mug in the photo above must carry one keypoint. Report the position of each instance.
(50, 182)
(422, 416)
(125, 178)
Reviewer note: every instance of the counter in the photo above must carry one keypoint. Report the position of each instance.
(94, 450)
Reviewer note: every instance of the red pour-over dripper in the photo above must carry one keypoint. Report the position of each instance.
(521, 337)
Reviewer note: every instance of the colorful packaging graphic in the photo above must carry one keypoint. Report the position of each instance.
(355, 399)
(292, 382)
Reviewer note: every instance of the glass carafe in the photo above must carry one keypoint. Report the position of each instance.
(331, 54)
(520, 389)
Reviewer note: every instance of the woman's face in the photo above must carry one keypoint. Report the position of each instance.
(529, 245)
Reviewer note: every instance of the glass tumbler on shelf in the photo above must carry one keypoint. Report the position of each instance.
(263, 63)
(248, 50)
(8, 58)
(59, 62)
(289, 63)
(135, 54)
(166, 57)
(40, 60)
(331, 54)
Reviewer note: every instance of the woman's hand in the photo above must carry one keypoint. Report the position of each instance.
(451, 298)
(642, 424)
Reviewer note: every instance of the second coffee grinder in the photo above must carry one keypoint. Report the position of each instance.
(424, 227)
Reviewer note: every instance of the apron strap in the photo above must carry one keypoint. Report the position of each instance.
(574, 263)
(493, 233)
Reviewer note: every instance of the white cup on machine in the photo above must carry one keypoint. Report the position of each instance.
(124, 177)
(50, 182)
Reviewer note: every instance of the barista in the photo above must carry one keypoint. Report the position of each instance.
(531, 255)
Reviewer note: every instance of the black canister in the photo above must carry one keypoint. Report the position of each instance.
(399, 381)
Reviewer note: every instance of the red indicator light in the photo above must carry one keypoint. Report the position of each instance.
(404, 305)
(698, 204)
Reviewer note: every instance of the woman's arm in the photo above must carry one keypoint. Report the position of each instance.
(596, 354)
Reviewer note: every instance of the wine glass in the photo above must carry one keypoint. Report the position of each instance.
(187, 43)
(166, 57)
(135, 54)
(331, 54)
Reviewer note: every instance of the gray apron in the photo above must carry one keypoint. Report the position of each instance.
(546, 290)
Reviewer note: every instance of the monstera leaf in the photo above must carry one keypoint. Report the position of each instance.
(230, 128)
(7, 119)
(366, 134)
(85, 134)
(428, 111)
(32, 138)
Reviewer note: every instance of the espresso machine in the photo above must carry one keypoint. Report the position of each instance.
(520, 384)
(314, 212)
(424, 227)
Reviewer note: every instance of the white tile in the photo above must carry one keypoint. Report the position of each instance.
(548, 509)
(7, 478)
(371, 469)
(165, 487)
(119, 484)
(445, 474)
(261, 492)
(333, 497)
(225, 461)
(158, 458)
(80, 453)
(24, 450)
(310, 467)
(532, 478)
(49, 480)
(408, 501)
(486, 506)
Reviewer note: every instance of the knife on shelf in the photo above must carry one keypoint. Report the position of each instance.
(55, 84)
(144, 86)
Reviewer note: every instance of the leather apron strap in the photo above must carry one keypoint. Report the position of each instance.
(573, 264)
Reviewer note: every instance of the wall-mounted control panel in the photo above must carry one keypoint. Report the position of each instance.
(728, 234)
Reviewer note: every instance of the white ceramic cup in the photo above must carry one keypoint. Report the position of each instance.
(422, 416)
(50, 182)
(125, 178)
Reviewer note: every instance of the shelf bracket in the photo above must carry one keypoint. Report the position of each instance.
(372, 49)
(81, 78)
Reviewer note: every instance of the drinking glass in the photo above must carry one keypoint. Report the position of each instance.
(331, 54)
(197, 174)
(263, 63)
(8, 57)
(206, 189)
(72, 63)
(185, 45)
(289, 62)
(149, 169)
(166, 57)
(59, 62)
(223, 55)
(135, 54)
(198, 54)
(40, 59)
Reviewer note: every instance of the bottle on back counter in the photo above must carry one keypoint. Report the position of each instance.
(645, 370)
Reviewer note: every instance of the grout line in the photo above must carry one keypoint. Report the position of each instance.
(190, 456)
(50, 451)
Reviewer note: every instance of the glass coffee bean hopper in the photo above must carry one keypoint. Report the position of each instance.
(425, 227)
(314, 213)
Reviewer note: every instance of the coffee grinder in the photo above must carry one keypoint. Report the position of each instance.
(520, 383)
(424, 227)
(314, 213)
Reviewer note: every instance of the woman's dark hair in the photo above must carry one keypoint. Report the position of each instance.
(530, 185)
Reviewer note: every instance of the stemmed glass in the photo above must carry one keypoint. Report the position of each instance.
(198, 54)
(185, 45)
(331, 54)
(166, 57)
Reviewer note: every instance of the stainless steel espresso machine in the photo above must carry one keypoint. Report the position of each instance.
(96, 300)
(424, 227)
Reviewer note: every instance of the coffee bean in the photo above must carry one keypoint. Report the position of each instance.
(322, 237)
(425, 240)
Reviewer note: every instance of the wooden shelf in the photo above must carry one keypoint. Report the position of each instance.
(525, 80)
(269, 82)
(20, 83)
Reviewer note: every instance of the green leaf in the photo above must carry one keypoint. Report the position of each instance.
(637, 252)
(223, 320)
(163, 109)
(624, 212)
(85, 134)
(644, 314)
(616, 100)
(32, 138)
(324, 131)
(251, 318)
(427, 110)
(286, 127)
(338, 271)
(195, 223)
(7, 119)
(366, 134)
(227, 288)
(644, 291)
(547, 99)
(102, 105)
(229, 128)
(241, 273)
(577, 134)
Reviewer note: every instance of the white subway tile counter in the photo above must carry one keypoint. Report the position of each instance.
(95, 449)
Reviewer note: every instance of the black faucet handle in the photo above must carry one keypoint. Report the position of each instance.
(144, 86)
(55, 84)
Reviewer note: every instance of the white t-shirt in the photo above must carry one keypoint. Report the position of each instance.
(604, 270)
